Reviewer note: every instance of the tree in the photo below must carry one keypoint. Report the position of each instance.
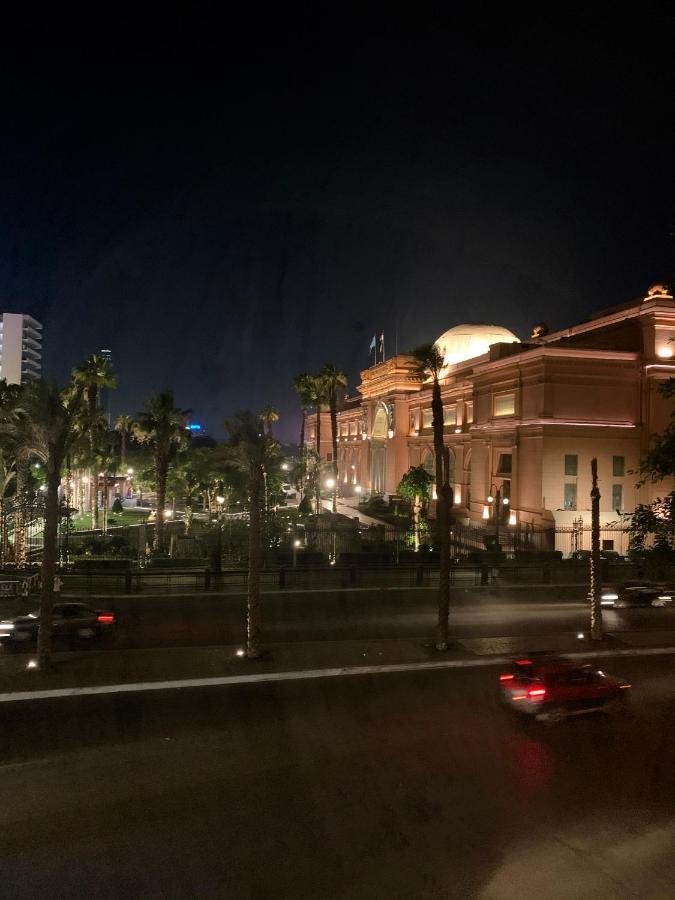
(254, 452)
(124, 427)
(163, 426)
(89, 377)
(333, 380)
(320, 400)
(17, 444)
(268, 416)
(414, 486)
(596, 586)
(107, 464)
(305, 388)
(51, 414)
(430, 363)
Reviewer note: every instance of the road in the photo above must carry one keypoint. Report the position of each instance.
(315, 616)
(409, 785)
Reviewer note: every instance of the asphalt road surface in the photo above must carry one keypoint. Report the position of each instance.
(315, 616)
(411, 785)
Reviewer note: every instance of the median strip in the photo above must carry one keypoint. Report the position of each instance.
(304, 674)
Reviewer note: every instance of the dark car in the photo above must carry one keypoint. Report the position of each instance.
(636, 593)
(68, 620)
(551, 688)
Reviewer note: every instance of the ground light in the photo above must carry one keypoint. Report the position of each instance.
(240, 652)
(31, 664)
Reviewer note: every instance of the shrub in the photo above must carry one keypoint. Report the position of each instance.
(117, 505)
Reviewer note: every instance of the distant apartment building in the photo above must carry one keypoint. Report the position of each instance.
(20, 348)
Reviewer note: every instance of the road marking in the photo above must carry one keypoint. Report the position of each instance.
(306, 674)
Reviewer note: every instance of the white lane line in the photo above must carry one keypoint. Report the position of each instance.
(305, 674)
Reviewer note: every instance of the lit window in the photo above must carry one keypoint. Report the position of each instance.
(505, 404)
(617, 496)
(468, 412)
(449, 415)
(427, 416)
(571, 464)
(570, 496)
(352, 428)
(618, 467)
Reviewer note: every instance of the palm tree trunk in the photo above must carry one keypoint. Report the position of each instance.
(333, 428)
(442, 518)
(123, 448)
(44, 647)
(162, 465)
(318, 453)
(302, 452)
(596, 592)
(105, 503)
(20, 518)
(254, 557)
(416, 521)
(188, 517)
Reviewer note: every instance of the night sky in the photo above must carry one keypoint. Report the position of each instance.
(225, 204)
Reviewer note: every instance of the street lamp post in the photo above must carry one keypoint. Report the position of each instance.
(495, 498)
(296, 544)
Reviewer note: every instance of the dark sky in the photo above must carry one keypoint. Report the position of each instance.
(227, 203)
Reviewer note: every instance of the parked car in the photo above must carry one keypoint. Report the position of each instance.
(551, 688)
(68, 620)
(636, 593)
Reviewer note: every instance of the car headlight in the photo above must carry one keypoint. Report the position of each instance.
(5, 627)
(666, 597)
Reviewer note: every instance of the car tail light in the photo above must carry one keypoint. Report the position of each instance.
(524, 662)
(507, 676)
(536, 693)
(106, 618)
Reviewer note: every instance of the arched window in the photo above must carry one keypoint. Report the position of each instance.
(380, 424)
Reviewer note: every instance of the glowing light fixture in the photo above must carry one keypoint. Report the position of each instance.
(486, 512)
(665, 352)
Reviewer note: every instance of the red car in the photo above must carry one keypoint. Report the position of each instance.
(551, 688)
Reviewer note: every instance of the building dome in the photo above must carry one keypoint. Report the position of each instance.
(467, 341)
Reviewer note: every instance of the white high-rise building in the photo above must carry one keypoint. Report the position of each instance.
(20, 348)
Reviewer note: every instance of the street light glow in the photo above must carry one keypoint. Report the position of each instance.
(330, 483)
(297, 543)
(220, 500)
(357, 488)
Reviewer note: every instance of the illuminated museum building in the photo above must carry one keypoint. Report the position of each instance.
(524, 417)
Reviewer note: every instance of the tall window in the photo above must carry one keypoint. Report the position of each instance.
(427, 416)
(449, 415)
(468, 412)
(505, 464)
(570, 496)
(618, 467)
(571, 465)
(617, 497)
(352, 427)
(505, 404)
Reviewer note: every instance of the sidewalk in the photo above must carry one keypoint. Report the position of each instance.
(88, 668)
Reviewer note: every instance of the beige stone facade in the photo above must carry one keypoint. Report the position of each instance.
(522, 417)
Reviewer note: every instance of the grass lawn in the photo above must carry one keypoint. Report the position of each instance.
(82, 521)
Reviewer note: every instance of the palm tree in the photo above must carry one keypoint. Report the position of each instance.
(89, 377)
(333, 380)
(253, 452)
(305, 389)
(16, 442)
(430, 362)
(269, 415)
(319, 400)
(124, 426)
(163, 426)
(107, 464)
(51, 414)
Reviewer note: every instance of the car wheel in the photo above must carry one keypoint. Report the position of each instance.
(86, 633)
(20, 637)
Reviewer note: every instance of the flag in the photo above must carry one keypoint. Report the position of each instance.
(373, 343)
(382, 343)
